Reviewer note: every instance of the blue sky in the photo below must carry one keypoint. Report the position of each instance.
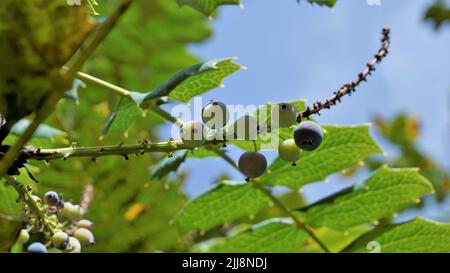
(305, 52)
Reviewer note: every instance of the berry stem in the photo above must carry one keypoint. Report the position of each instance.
(348, 88)
(257, 185)
(104, 84)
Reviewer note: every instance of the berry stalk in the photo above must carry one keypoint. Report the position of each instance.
(348, 88)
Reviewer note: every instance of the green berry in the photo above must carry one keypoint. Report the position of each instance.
(215, 115)
(73, 246)
(60, 239)
(51, 198)
(246, 127)
(85, 236)
(84, 224)
(252, 164)
(308, 135)
(36, 248)
(72, 211)
(193, 133)
(23, 237)
(286, 113)
(288, 151)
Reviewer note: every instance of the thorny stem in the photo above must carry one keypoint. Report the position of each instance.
(26, 196)
(98, 151)
(347, 89)
(276, 201)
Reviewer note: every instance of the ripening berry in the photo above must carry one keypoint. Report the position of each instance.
(246, 127)
(308, 135)
(51, 198)
(85, 236)
(193, 133)
(83, 223)
(252, 164)
(60, 239)
(286, 113)
(36, 248)
(23, 237)
(73, 246)
(215, 115)
(288, 151)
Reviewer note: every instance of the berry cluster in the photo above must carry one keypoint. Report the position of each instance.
(215, 115)
(59, 221)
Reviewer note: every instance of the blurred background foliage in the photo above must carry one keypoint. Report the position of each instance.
(131, 212)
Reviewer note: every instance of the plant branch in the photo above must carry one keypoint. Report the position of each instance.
(103, 31)
(104, 84)
(25, 194)
(276, 201)
(347, 89)
(98, 151)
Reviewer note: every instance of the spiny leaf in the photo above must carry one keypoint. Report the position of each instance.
(383, 194)
(417, 236)
(273, 236)
(228, 201)
(207, 6)
(168, 164)
(342, 147)
(43, 131)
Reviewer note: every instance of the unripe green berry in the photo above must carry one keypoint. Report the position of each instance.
(85, 236)
(286, 113)
(23, 237)
(252, 164)
(288, 150)
(72, 211)
(83, 223)
(193, 133)
(215, 115)
(60, 239)
(73, 246)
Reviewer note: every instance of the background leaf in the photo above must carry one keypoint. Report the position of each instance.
(224, 203)
(271, 236)
(417, 236)
(383, 194)
(207, 6)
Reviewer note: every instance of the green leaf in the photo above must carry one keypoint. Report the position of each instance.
(209, 76)
(228, 201)
(328, 3)
(8, 204)
(123, 117)
(43, 131)
(438, 13)
(168, 164)
(207, 6)
(342, 147)
(417, 236)
(202, 152)
(381, 195)
(271, 236)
